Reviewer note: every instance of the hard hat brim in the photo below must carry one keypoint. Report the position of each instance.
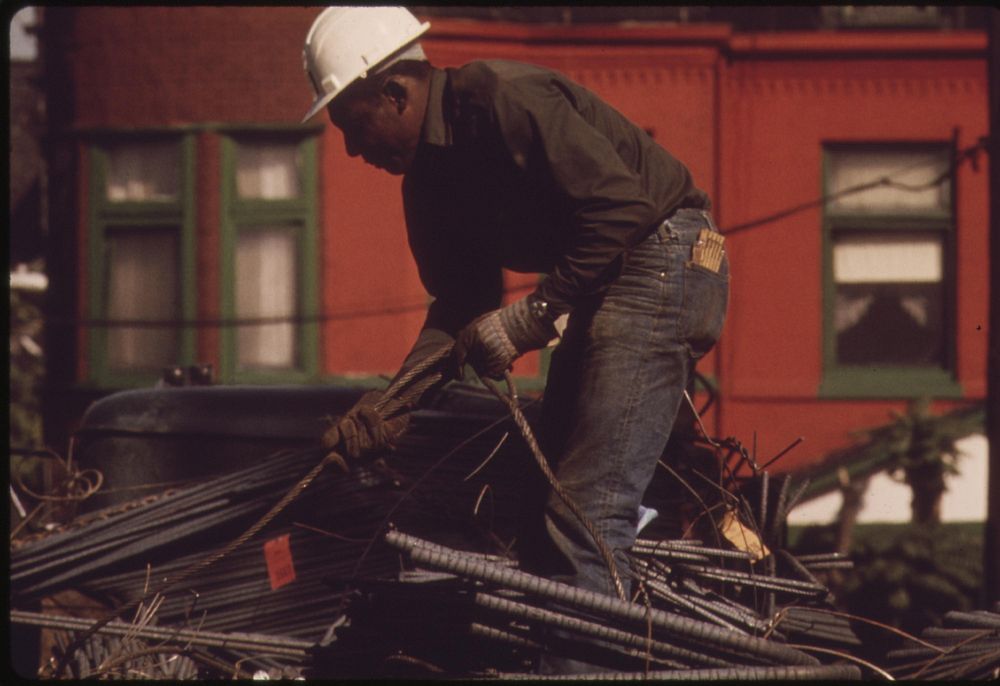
(321, 102)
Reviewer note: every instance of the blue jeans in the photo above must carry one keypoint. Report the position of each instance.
(615, 384)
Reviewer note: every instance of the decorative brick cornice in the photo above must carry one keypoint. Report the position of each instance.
(553, 34)
(721, 37)
(840, 44)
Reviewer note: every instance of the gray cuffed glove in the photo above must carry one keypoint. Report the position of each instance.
(491, 342)
(364, 430)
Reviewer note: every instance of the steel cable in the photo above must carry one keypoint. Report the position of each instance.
(522, 424)
(401, 394)
(331, 457)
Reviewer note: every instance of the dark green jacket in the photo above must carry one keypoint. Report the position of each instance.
(520, 167)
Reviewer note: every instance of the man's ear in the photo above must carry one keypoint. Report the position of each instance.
(397, 93)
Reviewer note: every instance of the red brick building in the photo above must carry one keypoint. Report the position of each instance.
(185, 194)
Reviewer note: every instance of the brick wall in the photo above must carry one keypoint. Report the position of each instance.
(150, 66)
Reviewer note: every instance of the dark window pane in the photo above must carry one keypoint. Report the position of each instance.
(890, 324)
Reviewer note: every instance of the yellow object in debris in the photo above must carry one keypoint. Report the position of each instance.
(708, 251)
(742, 537)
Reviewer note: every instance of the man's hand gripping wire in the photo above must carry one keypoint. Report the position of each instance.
(379, 418)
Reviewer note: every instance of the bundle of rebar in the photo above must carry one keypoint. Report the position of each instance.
(966, 646)
(333, 529)
(479, 616)
(458, 476)
(725, 587)
(139, 650)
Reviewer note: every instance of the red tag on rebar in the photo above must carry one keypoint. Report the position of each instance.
(278, 555)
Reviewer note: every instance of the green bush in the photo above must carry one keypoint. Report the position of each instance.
(906, 576)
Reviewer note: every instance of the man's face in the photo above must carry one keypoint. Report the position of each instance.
(376, 128)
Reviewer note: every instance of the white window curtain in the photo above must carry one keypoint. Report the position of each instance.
(873, 259)
(888, 259)
(143, 172)
(266, 278)
(267, 171)
(142, 284)
(910, 168)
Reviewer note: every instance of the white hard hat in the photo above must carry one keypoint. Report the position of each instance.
(348, 43)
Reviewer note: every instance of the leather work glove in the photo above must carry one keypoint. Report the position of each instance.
(491, 342)
(363, 430)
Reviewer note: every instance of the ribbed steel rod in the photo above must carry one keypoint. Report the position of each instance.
(949, 659)
(665, 544)
(652, 547)
(821, 557)
(951, 634)
(774, 673)
(816, 619)
(747, 646)
(593, 629)
(799, 567)
(740, 615)
(832, 564)
(795, 620)
(955, 667)
(837, 636)
(87, 545)
(765, 480)
(777, 584)
(663, 590)
(494, 634)
(986, 620)
(143, 545)
(781, 515)
(279, 645)
(749, 615)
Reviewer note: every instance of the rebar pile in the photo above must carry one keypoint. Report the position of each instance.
(725, 587)
(476, 615)
(120, 553)
(967, 646)
(138, 650)
(458, 476)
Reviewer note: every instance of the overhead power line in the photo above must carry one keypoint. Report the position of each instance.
(969, 154)
(966, 154)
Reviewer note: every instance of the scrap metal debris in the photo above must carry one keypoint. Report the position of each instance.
(325, 592)
(967, 646)
(492, 618)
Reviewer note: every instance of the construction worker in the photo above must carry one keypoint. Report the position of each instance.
(509, 165)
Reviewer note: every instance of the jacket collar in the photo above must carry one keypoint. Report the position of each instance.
(436, 130)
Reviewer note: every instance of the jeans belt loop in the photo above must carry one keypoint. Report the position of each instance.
(663, 231)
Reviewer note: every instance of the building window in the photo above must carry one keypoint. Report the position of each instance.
(888, 270)
(142, 265)
(270, 273)
(143, 172)
(141, 240)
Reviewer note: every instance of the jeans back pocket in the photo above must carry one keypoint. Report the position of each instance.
(703, 306)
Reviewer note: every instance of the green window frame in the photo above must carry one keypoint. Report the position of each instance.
(889, 379)
(112, 224)
(247, 219)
